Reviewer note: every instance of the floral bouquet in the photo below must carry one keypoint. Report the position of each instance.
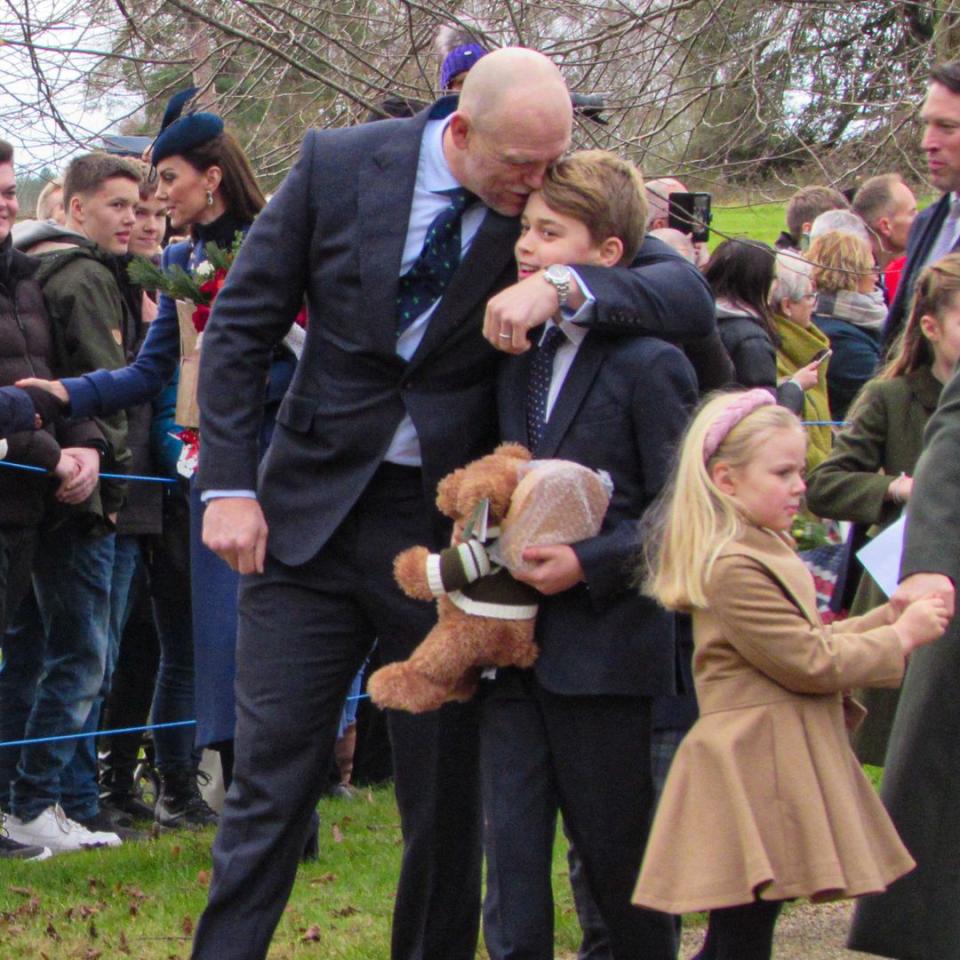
(194, 293)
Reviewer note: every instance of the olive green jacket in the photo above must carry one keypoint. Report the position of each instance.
(88, 316)
(883, 440)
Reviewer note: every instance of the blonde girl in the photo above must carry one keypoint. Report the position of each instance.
(868, 477)
(765, 801)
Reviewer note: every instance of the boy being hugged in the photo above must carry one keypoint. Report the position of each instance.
(572, 734)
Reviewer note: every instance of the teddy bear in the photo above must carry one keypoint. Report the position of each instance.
(500, 504)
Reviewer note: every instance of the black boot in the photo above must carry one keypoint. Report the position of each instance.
(180, 806)
(118, 792)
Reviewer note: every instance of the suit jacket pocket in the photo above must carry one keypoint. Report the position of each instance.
(599, 413)
(296, 413)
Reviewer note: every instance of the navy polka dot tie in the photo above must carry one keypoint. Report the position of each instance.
(426, 280)
(538, 386)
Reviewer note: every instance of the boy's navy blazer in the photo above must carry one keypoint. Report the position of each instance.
(334, 234)
(622, 408)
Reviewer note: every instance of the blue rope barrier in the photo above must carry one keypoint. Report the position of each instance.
(118, 730)
(825, 423)
(98, 733)
(108, 476)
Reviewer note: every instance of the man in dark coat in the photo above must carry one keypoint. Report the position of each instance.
(935, 231)
(385, 401)
(918, 918)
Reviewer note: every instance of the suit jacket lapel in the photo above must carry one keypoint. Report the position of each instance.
(579, 378)
(931, 231)
(385, 185)
(489, 254)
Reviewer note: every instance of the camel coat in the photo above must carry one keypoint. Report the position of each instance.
(765, 797)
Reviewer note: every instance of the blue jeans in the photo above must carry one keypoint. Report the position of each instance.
(55, 653)
(79, 785)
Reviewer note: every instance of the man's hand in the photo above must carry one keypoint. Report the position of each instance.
(234, 528)
(527, 304)
(82, 480)
(50, 386)
(558, 569)
(921, 585)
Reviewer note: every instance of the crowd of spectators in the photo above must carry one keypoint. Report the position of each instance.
(114, 612)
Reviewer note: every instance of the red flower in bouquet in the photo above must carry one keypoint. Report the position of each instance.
(209, 288)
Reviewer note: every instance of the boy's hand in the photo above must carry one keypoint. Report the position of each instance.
(79, 485)
(558, 569)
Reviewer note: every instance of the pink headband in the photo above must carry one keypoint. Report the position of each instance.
(738, 410)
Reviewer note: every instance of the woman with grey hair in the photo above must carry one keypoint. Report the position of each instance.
(792, 300)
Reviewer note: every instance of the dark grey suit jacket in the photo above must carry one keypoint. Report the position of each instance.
(334, 233)
(923, 234)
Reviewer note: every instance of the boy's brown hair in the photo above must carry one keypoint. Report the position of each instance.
(602, 192)
(88, 173)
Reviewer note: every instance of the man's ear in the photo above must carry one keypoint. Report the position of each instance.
(76, 211)
(459, 127)
(723, 477)
(610, 252)
(882, 228)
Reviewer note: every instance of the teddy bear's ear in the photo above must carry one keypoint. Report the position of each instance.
(515, 450)
(447, 490)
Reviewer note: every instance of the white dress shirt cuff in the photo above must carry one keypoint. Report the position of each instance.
(208, 495)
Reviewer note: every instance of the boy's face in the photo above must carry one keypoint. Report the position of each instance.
(151, 221)
(548, 237)
(8, 200)
(106, 217)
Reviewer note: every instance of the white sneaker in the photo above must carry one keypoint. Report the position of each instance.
(55, 830)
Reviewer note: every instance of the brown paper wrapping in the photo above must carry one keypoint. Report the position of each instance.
(188, 411)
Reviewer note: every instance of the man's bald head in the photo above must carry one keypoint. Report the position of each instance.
(658, 200)
(513, 78)
(514, 118)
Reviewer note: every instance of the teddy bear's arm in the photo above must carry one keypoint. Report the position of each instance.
(455, 567)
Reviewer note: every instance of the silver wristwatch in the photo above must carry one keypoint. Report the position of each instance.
(559, 277)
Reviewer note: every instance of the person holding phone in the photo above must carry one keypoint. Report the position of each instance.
(803, 351)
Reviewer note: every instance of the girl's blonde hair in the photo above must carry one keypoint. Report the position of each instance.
(934, 292)
(839, 261)
(692, 520)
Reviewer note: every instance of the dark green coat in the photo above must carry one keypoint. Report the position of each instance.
(918, 918)
(883, 440)
(88, 314)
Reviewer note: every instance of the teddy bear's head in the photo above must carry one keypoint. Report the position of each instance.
(493, 477)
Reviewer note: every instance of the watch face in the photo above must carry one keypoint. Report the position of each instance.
(558, 272)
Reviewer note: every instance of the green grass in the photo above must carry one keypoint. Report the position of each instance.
(762, 221)
(143, 900)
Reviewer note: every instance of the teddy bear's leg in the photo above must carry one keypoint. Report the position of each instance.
(427, 679)
(400, 686)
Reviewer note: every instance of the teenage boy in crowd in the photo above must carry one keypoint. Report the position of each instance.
(57, 643)
(573, 733)
(26, 348)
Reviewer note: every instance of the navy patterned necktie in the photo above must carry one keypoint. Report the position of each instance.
(538, 386)
(425, 281)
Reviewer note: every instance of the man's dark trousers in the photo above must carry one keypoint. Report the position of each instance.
(304, 632)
